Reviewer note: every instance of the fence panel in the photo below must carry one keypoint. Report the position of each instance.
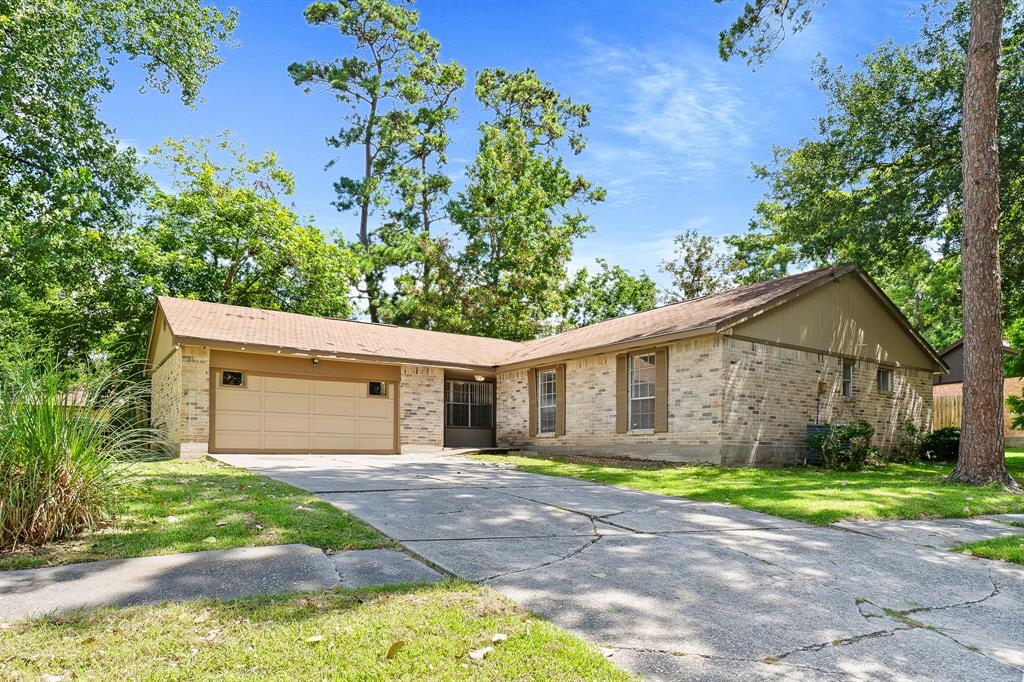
(947, 411)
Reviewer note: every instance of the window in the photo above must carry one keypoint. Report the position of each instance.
(641, 392)
(885, 380)
(468, 404)
(847, 378)
(546, 397)
(232, 378)
(377, 389)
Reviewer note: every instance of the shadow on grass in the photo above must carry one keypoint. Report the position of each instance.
(891, 491)
(171, 506)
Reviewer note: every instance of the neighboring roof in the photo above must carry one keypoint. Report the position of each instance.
(1007, 348)
(213, 323)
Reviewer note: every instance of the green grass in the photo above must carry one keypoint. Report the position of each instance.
(338, 635)
(178, 506)
(1008, 548)
(895, 491)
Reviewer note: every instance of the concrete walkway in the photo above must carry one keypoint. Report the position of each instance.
(219, 574)
(678, 589)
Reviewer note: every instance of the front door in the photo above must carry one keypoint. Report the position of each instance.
(468, 413)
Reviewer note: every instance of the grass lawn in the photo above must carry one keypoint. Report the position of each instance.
(338, 635)
(895, 491)
(1009, 548)
(186, 506)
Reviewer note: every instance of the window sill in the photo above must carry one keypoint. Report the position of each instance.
(546, 435)
(641, 432)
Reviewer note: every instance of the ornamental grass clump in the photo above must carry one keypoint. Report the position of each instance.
(64, 437)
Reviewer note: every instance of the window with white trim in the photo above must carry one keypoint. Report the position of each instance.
(847, 378)
(641, 392)
(885, 380)
(469, 404)
(546, 399)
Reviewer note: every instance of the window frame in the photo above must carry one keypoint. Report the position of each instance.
(847, 387)
(383, 387)
(470, 394)
(543, 376)
(222, 372)
(886, 372)
(632, 400)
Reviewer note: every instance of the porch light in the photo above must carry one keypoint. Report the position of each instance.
(479, 377)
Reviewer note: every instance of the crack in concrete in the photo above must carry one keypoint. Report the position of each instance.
(570, 555)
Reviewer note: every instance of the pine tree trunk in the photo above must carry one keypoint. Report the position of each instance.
(982, 457)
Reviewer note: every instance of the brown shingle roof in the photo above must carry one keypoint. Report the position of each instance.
(213, 323)
(697, 313)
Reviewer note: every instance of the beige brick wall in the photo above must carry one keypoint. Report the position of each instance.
(694, 408)
(165, 410)
(772, 393)
(422, 406)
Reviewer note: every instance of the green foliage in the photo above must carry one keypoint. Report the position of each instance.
(906, 446)
(942, 444)
(63, 433)
(65, 185)
(609, 292)
(698, 267)
(224, 234)
(400, 98)
(1016, 405)
(880, 184)
(761, 28)
(845, 447)
(520, 212)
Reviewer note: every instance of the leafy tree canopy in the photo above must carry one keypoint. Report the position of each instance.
(698, 267)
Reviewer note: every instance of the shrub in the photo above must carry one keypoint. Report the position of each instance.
(844, 447)
(63, 436)
(942, 445)
(906, 445)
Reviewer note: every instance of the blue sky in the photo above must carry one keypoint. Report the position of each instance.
(674, 130)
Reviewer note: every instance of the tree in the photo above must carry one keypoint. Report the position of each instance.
(698, 267)
(224, 234)
(520, 211)
(982, 458)
(399, 98)
(67, 186)
(609, 292)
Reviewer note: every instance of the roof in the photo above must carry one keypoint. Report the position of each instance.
(236, 326)
(1007, 348)
(216, 323)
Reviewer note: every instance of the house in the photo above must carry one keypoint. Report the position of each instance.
(731, 379)
(949, 387)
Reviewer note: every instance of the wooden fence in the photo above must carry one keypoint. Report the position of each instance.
(947, 410)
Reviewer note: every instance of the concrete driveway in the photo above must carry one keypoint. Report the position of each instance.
(678, 589)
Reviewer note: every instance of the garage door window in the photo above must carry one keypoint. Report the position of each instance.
(230, 377)
(377, 389)
(469, 404)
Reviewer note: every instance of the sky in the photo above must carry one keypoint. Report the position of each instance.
(673, 134)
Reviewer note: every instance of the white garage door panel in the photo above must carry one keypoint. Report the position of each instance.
(286, 402)
(333, 425)
(375, 407)
(286, 441)
(332, 405)
(276, 413)
(230, 420)
(287, 423)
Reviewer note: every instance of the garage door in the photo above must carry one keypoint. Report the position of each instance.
(286, 414)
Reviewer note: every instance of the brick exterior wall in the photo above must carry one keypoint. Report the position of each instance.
(771, 394)
(165, 409)
(181, 401)
(694, 398)
(421, 417)
(730, 402)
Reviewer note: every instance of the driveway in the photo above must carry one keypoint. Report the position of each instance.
(679, 589)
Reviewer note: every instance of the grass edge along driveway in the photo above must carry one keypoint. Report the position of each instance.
(175, 506)
(408, 632)
(891, 491)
